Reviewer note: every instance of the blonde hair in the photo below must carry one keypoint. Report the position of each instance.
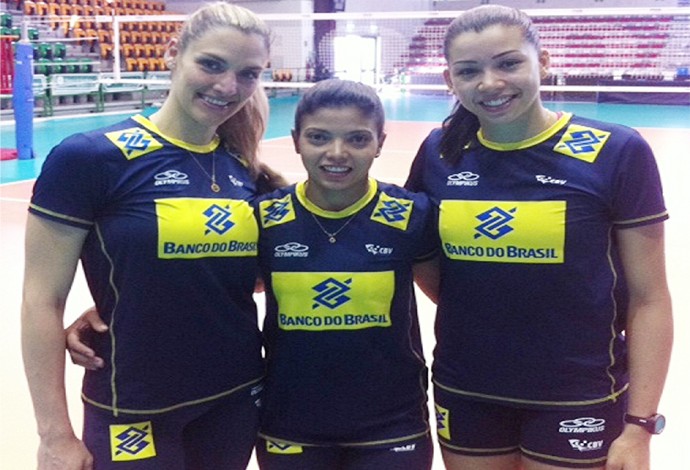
(243, 131)
(222, 14)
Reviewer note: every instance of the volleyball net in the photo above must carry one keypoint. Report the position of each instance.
(593, 52)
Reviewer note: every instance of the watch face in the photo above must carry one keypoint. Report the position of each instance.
(659, 422)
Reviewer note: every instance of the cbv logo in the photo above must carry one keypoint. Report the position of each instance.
(585, 446)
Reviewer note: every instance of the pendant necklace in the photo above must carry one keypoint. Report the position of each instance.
(214, 186)
(331, 235)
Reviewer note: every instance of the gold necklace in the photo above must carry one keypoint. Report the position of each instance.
(214, 186)
(331, 235)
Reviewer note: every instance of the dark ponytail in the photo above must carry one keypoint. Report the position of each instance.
(459, 133)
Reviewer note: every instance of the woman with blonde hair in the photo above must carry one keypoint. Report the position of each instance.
(158, 211)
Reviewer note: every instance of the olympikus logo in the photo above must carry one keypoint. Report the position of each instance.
(171, 177)
(582, 425)
(464, 178)
(291, 250)
(406, 448)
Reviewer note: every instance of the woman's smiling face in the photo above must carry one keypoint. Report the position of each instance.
(496, 74)
(338, 146)
(215, 75)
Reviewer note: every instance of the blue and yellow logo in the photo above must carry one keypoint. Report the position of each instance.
(331, 293)
(134, 142)
(393, 212)
(495, 223)
(333, 301)
(276, 211)
(277, 447)
(190, 228)
(132, 442)
(442, 422)
(530, 232)
(583, 143)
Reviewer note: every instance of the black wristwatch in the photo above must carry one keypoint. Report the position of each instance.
(653, 424)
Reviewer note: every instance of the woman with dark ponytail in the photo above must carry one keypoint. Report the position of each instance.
(459, 132)
(554, 324)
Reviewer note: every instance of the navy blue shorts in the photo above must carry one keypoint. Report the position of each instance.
(566, 438)
(218, 434)
(414, 454)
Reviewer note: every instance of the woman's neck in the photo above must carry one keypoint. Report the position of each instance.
(336, 200)
(170, 124)
(524, 128)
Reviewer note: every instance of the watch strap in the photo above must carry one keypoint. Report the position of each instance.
(653, 424)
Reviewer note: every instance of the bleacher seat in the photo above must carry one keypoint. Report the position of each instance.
(128, 51)
(140, 51)
(106, 51)
(5, 20)
(142, 64)
(29, 8)
(58, 66)
(85, 65)
(104, 36)
(59, 50)
(131, 64)
(45, 50)
(41, 67)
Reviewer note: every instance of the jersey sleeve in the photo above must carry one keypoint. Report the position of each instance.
(415, 179)
(430, 243)
(70, 186)
(638, 195)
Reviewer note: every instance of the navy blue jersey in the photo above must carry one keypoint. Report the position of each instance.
(345, 362)
(170, 264)
(533, 299)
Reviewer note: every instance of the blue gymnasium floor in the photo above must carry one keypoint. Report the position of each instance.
(424, 108)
